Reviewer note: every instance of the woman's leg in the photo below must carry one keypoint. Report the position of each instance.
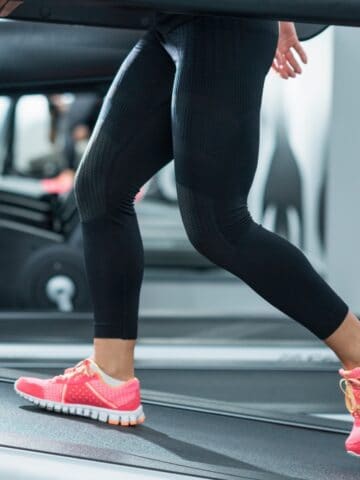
(345, 342)
(130, 143)
(221, 66)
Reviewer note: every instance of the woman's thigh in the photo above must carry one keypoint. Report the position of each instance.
(221, 67)
(132, 138)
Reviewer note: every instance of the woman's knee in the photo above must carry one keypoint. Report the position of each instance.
(215, 241)
(100, 190)
(214, 228)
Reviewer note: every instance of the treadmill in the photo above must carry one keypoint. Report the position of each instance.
(194, 428)
(184, 436)
(279, 415)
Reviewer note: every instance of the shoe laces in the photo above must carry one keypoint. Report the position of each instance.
(81, 368)
(346, 385)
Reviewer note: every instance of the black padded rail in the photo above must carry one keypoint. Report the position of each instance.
(38, 55)
(345, 12)
(338, 12)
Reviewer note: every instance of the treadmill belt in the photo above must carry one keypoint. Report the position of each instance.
(306, 391)
(184, 441)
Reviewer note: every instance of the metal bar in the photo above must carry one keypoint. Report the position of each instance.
(152, 356)
(145, 313)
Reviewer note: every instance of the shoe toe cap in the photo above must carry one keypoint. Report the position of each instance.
(30, 386)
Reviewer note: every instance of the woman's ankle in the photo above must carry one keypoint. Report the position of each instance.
(115, 371)
(350, 365)
(115, 357)
(345, 342)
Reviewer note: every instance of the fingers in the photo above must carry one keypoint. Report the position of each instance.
(282, 67)
(292, 61)
(302, 54)
(276, 64)
(285, 63)
(278, 67)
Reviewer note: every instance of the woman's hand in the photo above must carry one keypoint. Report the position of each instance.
(285, 63)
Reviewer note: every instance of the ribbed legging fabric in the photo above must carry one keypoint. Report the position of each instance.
(192, 95)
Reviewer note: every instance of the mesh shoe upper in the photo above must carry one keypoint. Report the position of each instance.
(350, 385)
(81, 385)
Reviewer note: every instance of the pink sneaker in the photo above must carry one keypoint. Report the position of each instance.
(350, 385)
(82, 391)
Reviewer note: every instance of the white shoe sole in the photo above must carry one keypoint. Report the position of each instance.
(353, 454)
(113, 417)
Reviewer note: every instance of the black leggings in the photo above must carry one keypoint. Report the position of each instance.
(192, 95)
